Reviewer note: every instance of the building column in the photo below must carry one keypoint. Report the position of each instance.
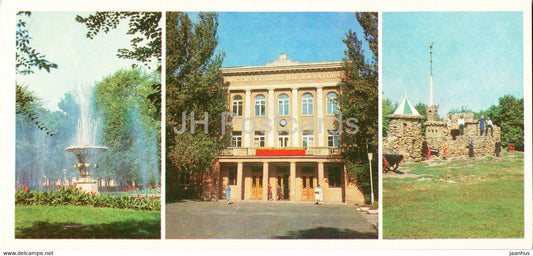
(265, 181)
(271, 134)
(321, 175)
(216, 180)
(320, 116)
(246, 133)
(295, 136)
(293, 181)
(239, 181)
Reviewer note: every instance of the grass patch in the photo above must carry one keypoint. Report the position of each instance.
(480, 198)
(38, 221)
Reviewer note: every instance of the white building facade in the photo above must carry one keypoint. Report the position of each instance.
(285, 133)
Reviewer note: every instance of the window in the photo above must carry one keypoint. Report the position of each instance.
(308, 139)
(236, 139)
(259, 140)
(332, 108)
(334, 177)
(307, 104)
(260, 105)
(237, 105)
(283, 139)
(333, 139)
(232, 176)
(283, 105)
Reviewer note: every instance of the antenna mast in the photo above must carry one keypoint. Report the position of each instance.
(431, 73)
(431, 58)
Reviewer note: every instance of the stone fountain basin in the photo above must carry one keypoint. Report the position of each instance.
(84, 153)
(86, 149)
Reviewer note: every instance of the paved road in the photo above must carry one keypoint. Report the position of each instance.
(265, 220)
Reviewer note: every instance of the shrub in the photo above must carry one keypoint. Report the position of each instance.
(74, 196)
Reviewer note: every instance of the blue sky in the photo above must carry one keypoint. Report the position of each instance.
(80, 60)
(247, 38)
(255, 38)
(477, 57)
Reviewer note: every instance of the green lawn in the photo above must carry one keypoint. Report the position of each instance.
(481, 198)
(39, 221)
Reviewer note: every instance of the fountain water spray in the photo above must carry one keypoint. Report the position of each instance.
(85, 150)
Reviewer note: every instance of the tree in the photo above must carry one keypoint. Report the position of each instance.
(146, 45)
(387, 108)
(359, 99)
(192, 86)
(129, 128)
(509, 115)
(26, 56)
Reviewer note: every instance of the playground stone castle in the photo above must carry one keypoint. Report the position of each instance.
(404, 136)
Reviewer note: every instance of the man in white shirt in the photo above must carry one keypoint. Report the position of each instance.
(318, 195)
(461, 123)
(488, 123)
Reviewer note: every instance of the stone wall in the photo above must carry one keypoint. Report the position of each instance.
(483, 145)
(404, 138)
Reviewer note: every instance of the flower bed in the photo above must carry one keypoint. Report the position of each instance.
(74, 196)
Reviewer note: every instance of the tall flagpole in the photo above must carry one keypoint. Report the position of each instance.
(431, 74)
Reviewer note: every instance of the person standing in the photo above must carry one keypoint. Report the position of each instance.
(449, 125)
(279, 192)
(497, 147)
(471, 148)
(318, 195)
(445, 149)
(461, 123)
(481, 122)
(269, 192)
(488, 122)
(228, 193)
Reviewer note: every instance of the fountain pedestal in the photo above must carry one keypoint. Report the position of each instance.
(86, 156)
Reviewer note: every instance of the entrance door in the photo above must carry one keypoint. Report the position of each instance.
(286, 187)
(307, 188)
(257, 187)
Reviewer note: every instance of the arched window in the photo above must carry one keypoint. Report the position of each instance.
(332, 108)
(283, 105)
(237, 105)
(260, 105)
(307, 104)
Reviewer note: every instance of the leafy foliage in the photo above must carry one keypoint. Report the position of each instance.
(26, 56)
(509, 115)
(359, 98)
(146, 45)
(29, 106)
(387, 108)
(131, 128)
(193, 86)
(74, 196)
(462, 109)
(39, 148)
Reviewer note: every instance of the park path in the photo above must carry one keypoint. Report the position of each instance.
(265, 220)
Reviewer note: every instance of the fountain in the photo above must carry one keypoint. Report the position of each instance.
(86, 156)
(86, 152)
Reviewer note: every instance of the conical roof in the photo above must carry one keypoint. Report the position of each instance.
(406, 108)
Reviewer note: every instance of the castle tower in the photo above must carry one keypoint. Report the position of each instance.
(404, 136)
